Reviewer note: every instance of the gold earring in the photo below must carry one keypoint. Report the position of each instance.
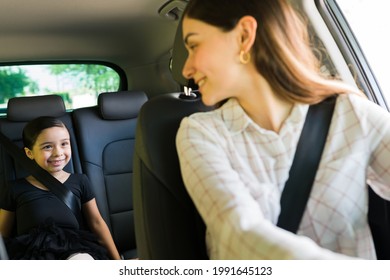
(245, 57)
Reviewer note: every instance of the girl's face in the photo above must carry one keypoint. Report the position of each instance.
(213, 60)
(51, 150)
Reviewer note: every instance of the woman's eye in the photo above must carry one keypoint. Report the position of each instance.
(191, 46)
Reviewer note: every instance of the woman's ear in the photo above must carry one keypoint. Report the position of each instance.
(29, 153)
(247, 28)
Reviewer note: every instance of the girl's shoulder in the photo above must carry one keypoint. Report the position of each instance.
(77, 178)
(78, 181)
(81, 186)
(19, 183)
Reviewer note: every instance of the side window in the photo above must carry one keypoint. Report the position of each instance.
(362, 27)
(78, 84)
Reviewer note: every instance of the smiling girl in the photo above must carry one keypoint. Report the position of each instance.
(45, 227)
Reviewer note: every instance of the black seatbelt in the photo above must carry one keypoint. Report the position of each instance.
(55, 186)
(305, 164)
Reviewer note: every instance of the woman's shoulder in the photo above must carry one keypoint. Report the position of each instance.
(214, 118)
(215, 126)
(360, 105)
(355, 111)
(208, 116)
(347, 99)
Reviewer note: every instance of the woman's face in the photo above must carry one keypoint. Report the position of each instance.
(51, 150)
(213, 60)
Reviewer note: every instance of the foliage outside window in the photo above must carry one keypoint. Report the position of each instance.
(78, 84)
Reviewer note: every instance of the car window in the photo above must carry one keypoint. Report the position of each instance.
(78, 84)
(364, 24)
(369, 20)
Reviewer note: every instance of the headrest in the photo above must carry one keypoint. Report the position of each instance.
(121, 105)
(27, 108)
(179, 56)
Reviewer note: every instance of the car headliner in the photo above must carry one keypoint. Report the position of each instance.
(129, 33)
(119, 31)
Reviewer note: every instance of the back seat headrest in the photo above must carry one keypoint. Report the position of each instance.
(121, 105)
(27, 108)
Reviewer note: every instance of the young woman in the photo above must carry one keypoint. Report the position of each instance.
(45, 227)
(254, 57)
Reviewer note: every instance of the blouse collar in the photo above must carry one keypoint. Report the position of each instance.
(236, 119)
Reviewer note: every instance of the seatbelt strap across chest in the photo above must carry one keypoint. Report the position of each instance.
(305, 164)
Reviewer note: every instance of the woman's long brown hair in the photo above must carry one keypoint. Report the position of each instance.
(282, 51)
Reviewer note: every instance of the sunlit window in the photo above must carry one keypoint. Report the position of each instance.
(370, 22)
(78, 84)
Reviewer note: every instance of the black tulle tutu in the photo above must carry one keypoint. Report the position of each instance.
(50, 242)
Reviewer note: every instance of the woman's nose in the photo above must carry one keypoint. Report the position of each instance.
(188, 70)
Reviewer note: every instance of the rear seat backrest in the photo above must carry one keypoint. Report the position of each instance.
(21, 110)
(106, 136)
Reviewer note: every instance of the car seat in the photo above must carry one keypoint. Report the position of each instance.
(106, 136)
(3, 251)
(167, 224)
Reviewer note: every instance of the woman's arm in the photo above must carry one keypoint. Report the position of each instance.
(7, 220)
(100, 228)
(375, 124)
(233, 217)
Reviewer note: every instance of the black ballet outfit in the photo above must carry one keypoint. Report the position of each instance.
(45, 227)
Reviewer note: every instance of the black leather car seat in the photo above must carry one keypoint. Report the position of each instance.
(167, 223)
(3, 251)
(106, 136)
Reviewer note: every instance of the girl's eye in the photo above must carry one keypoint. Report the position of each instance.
(64, 144)
(47, 147)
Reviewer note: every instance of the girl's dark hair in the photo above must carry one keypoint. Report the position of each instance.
(32, 129)
(282, 51)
